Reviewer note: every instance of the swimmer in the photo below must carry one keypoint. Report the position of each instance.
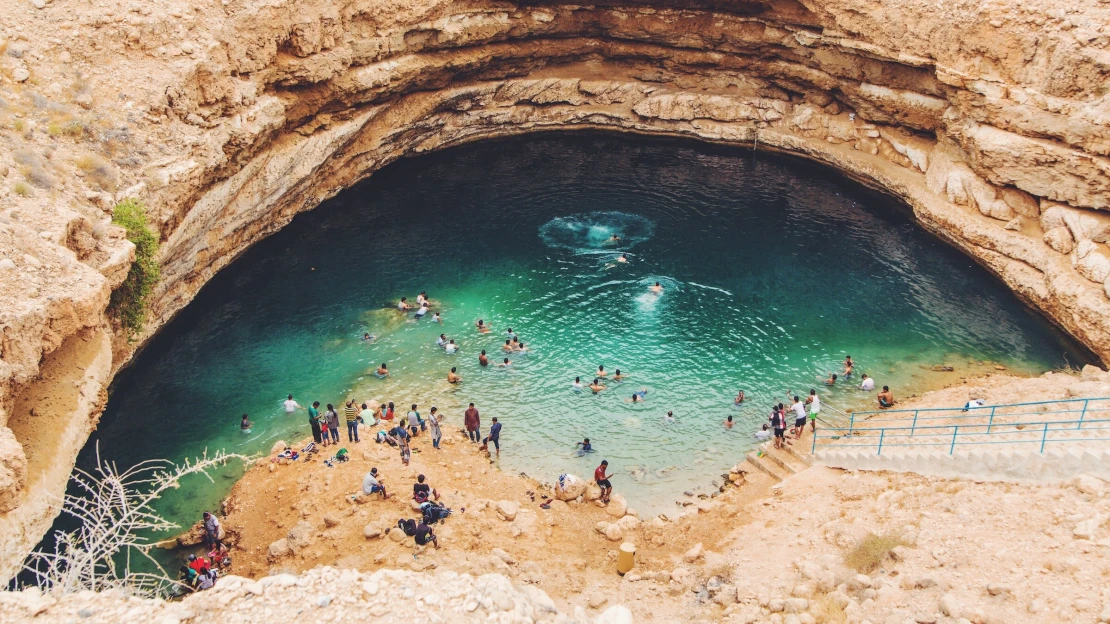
(601, 371)
(522, 348)
(657, 288)
(831, 380)
(453, 376)
(422, 311)
(366, 337)
(509, 332)
(506, 363)
(577, 385)
(739, 398)
(614, 239)
(596, 386)
(482, 359)
(441, 341)
(638, 396)
(849, 366)
(437, 318)
(421, 299)
(623, 258)
(382, 371)
(585, 444)
(508, 346)
(403, 306)
(763, 434)
(451, 347)
(728, 422)
(245, 424)
(515, 343)
(482, 327)
(669, 418)
(618, 376)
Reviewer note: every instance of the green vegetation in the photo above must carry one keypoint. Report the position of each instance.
(872, 551)
(129, 301)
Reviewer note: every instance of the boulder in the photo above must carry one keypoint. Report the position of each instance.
(618, 614)
(695, 553)
(1059, 239)
(301, 535)
(949, 606)
(278, 447)
(503, 556)
(1023, 203)
(371, 531)
(592, 492)
(279, 549)
(1092, 261)
(617, 506)
(507, 510)
(330, 520)
(613, 533)
(628, 523)
(569, 487)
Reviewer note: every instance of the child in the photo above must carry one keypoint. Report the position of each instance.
(324, 432)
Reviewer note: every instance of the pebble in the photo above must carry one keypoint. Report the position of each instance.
(21, 74)
(596, 600)
(695, 553)
(948, 605)
(7, 263)
(323, 601)
(38, 4)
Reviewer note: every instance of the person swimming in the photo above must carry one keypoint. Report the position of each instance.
(577, 385)
(586, 447)
(382, 371)
(522, 348)
(508, 346)
(453, 376)
(403, 306)
(441, 341)
(421, 299)
(618, 376)
(638, 396)
(831, 380)
(245, 424)
(657, 288)
(849, 366)
(728, 422)
(366, 337)
(597, 386)
(739, 398)
(482, 327)
(506, 363)
(422, 310)
(669, 418)
(437, 318)
(483, 360)
(623, 258)
(601, 371)
(515, 343)
(614, 238)
(451, 347)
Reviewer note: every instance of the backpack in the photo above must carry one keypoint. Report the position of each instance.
(408, 526)
(420, 497)
(433, 512)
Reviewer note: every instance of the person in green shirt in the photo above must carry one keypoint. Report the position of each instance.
(314, 421)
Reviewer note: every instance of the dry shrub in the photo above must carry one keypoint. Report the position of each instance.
(18, 125)
(22, 189)
(828, 611)
(872, 551)
(98, 171)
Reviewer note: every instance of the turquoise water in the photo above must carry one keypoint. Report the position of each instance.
(774, 269)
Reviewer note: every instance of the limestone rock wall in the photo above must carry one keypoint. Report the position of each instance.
(989, 119)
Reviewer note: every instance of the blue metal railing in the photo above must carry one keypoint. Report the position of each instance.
(1091, 415)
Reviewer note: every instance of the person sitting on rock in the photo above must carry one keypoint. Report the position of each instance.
(371, 484)
(886, 398)
(422, 492)
(602, 480)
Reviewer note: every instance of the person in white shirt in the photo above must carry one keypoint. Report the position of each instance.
(442, 341)
(291, 405)
(422, 311)
(814, 403)
(451, 347)
(577, 385)
(799, 409)
(763, 434)
(868, 383)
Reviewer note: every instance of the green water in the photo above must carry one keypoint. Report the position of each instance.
(774, 269)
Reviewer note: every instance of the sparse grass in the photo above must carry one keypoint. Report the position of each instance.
(129, 301)
(74, 129)
(872, 551)
(18, 125)
(55, 129)
(22, 189)
(98, 171)
(828, 611)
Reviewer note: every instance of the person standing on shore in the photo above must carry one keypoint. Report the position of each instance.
(291, 405)
(814, 403)
(602, 480)
(314, 421)
(211, 531)
(350, 414)
(333, 424)
(472, 420)
(494, 436)
(433, 426)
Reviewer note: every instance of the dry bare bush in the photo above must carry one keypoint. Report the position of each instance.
(872, 551)
(116, 512)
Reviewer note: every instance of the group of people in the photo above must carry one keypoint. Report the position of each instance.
(867, 384)
(425, 496)
(199, 573)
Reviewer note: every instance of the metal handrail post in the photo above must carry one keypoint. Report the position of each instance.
(991, 421)
(1044, 437)
(914, 425)
(952, 448)
(1082, 414)
(851, 424)
(813, 449)
(882, 434)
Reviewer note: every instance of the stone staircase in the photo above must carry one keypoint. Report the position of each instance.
(779, 464)
(980, 463)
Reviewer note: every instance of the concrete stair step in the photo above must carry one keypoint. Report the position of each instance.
(763, 466)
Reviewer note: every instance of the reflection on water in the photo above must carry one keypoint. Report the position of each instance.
(772, 271)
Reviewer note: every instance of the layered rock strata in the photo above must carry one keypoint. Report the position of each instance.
(990, 120)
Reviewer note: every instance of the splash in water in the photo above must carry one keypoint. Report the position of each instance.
(592, 232)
